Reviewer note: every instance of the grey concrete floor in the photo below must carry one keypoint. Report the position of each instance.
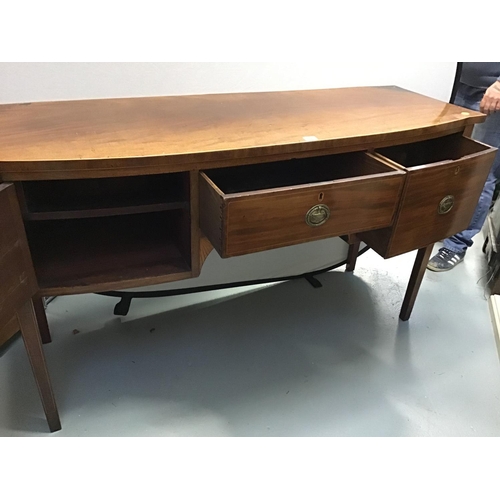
(283, 360)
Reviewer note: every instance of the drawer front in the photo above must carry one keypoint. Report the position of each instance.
(438, 201)
(262, 220)
(17, 279)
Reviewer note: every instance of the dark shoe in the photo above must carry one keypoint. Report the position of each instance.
(445, 260)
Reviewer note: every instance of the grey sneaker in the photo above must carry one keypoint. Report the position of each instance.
(445, 260)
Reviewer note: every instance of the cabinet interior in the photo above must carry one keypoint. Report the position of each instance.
(90, 231)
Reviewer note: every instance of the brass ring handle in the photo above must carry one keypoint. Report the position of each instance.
(317, 215)
(446, 204)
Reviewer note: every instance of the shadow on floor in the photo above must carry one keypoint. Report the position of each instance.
(282, 360)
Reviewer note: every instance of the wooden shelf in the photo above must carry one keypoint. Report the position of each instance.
(71, 256)
(105, 212)
(88, 198)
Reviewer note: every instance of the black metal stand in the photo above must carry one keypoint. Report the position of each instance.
(123, 307)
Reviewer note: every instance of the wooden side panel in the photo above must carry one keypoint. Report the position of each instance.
(205, 249)
(263, 221)
(17, 277)
(211, 213)
(378, 239)
(194, 221)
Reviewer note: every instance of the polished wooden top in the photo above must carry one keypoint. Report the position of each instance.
(107, 137)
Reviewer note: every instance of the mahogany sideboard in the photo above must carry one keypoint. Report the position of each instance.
(107, 194)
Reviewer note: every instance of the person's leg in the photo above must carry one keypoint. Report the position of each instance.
(459, 243)
(489, 133)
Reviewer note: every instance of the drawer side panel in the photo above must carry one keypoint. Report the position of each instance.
(211, 210)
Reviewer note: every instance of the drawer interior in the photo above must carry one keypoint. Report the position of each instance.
(448, 148)
(295, 172)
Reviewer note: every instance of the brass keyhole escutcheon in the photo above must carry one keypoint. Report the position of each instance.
(446, 204)
(317, 215)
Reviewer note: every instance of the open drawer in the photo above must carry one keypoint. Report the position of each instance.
(445, 178)
(258, 207)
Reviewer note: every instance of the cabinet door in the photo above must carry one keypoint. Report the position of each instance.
(17, 277)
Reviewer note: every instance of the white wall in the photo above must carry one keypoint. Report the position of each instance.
(28, 82)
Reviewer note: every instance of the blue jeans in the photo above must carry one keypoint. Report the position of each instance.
(489, 133)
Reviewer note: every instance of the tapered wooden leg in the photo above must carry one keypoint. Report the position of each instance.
(352, 256)
(41, 318)
(31, 336)
(416, 278)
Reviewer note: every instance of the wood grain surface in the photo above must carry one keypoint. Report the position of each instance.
(17, 278)
(109, 137)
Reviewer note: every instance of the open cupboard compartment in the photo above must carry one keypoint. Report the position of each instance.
(108, 233)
